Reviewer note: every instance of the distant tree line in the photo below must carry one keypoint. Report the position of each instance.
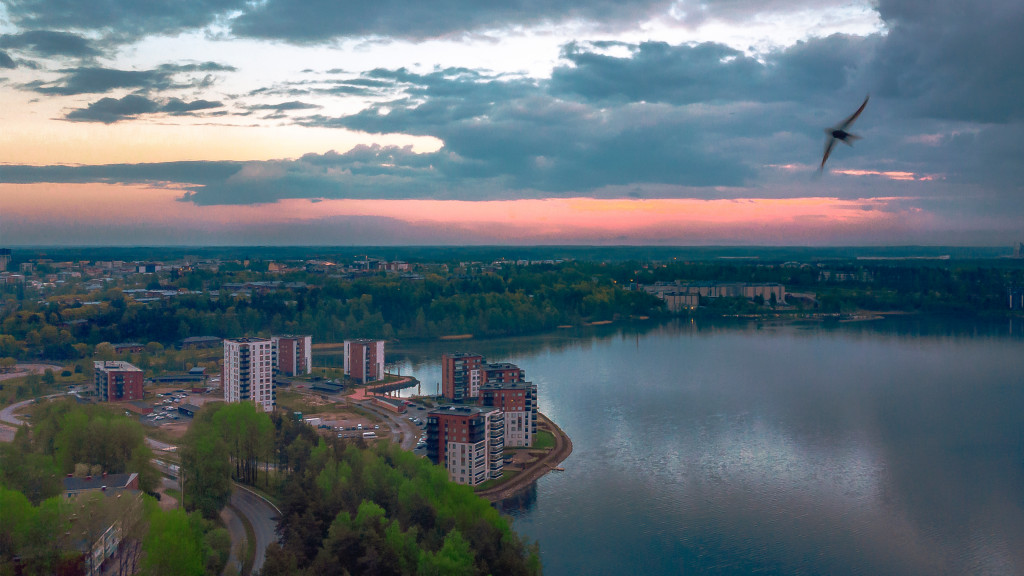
(483, 301)
(515, 301)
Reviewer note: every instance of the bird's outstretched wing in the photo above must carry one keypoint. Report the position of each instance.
(828, 150)
(846, 123)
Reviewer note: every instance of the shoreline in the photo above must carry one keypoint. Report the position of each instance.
(536, 469)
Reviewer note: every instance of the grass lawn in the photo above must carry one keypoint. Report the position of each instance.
(295, 402)
(544, 440)
(505, 477)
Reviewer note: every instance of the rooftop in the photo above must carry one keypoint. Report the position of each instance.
(460, 410)
(110, 481)
(120, 365)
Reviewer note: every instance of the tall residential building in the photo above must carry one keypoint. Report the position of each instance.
(518, 401)
(116, 381)
(5, 258)
(293, 355)
(461, 376)
(468, 441)
(364, 360)
(248, 373)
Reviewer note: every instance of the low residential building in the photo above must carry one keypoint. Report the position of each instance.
(686, 295)
(293, 355)
(129, 347)
(113, 483)
(199, 342)
(364, 360)
(396, 405)
(468, 441)
(116, 381)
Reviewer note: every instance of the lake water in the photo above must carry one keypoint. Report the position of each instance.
(885, 447)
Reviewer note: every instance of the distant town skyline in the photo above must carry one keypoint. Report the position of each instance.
(652, 122)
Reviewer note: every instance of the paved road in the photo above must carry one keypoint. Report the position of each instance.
(238, 537)
(403, 432)
(158, 445)
(263, 517)
(7, 414)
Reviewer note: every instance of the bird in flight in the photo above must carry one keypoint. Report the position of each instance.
(839, 133)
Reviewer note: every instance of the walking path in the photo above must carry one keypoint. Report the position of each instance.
(543, 465)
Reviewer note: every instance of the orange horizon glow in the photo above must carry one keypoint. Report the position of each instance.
(543, 220)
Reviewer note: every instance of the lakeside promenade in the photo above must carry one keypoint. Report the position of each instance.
(536, 469)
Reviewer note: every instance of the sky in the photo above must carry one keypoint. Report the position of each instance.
(597, 122)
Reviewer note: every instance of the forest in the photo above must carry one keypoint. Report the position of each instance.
(42, 532)
(347, 508)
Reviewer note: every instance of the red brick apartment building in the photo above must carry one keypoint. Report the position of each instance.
(518, 401)
(468, 441)
(503, 372)
(461, 376)
(293, 355)
(364, 360)
(117, 381)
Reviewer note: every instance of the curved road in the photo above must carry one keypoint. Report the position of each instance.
(262, 515)
(403, 432)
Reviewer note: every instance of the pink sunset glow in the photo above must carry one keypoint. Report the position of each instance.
(81, 209)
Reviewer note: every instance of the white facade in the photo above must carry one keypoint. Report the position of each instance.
(474, 463)
(475, 377)
(519, 428)
(248, 373)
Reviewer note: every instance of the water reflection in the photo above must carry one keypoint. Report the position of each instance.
(520, 502)
(888, 447)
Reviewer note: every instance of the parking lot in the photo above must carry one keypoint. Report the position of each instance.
(165, 407)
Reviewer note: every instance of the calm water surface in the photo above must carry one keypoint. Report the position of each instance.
(888, 447)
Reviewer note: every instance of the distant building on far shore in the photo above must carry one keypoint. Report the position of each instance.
(115, 381)
(364, 360)
(5, 258)
(1016, 298)
(198, 342)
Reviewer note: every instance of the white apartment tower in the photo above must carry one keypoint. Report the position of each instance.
(248, 374)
